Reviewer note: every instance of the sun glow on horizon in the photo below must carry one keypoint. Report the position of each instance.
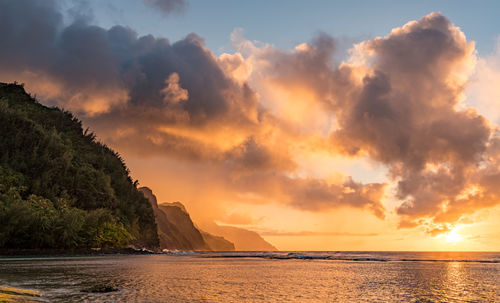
(453, 236)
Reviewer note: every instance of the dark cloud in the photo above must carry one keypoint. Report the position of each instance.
(167, 7)
(316, 195)
(71, 65)
(38, 29)
(116, 75)
(310, 67)
(252, 156)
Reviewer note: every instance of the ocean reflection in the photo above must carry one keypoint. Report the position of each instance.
(455, 282)
(198, 278)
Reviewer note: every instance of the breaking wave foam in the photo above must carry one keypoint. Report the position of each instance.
(356, 256)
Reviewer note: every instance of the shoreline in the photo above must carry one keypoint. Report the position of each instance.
(24, 252)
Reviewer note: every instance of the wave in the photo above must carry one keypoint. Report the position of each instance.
(392, 257)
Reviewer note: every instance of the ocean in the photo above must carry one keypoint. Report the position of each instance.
(256, 277)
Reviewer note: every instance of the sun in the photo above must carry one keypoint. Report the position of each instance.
(453, 236)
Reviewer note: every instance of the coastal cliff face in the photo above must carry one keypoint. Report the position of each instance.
(217, 243)
(177, 231)
(181, 229)
(243, 239)
(61, 188)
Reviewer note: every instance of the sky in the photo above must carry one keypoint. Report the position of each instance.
(321, 125)
(287, 23)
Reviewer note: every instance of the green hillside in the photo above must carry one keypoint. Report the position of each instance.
(59, 186)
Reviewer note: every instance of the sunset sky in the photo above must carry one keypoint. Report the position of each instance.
(321, 125)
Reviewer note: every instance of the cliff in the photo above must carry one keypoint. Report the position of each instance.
(217, 243)
(244, 240)
(181, 232)
(177, 231)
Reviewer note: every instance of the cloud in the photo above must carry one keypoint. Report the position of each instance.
(73, 65)
(311, 194)
(482, 91)
(167, 7)
(406, 114)
(316, 195)
(239, 219)
(397, 101)
(316, 233)
(144, 95)
(172, 91)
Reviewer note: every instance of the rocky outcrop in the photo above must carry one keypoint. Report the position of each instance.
(148, 193)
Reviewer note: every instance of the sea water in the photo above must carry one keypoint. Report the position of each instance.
(259, 277)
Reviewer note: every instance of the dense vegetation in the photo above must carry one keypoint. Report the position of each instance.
(59, 186)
